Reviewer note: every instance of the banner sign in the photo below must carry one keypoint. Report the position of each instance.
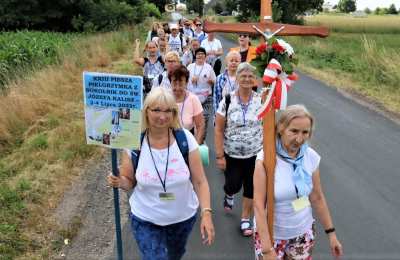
(113, 105)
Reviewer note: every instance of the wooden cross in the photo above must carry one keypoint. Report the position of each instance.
(266, 24)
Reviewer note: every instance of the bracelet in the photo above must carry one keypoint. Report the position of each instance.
(268, 251)
(203, 210)
(329, 230)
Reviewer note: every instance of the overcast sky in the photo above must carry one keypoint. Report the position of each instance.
(371, 4)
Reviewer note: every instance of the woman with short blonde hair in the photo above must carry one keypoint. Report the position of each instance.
(168, 186)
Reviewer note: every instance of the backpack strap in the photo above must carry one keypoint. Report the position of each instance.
(181, 38)
(160, 78)
(182, 143)
(136, 153)
(160, 59)
(227, 103)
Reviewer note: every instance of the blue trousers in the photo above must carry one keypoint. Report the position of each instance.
(161, 242)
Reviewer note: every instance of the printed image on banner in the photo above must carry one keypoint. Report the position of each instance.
(113, 105)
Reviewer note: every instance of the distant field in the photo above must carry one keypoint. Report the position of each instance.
(360, 54)
(24, 50)
(377, 24)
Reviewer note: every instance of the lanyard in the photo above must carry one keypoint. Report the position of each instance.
(244, 107)
(183, 105)
(154, 163)
(197, 75)
(231, 88)
(294, 168)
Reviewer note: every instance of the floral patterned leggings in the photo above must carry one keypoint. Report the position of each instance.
(299, 248)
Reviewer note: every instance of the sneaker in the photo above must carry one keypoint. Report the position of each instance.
(228, 203)
(246, 227)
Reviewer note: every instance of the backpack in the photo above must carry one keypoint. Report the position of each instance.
(181, 141)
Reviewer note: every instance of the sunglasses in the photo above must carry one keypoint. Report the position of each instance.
(243, 35)
(198, 24)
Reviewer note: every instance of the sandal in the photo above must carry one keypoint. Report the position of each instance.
(246, 227)
(227, 206)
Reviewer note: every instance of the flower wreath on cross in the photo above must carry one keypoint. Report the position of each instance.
(275, 62)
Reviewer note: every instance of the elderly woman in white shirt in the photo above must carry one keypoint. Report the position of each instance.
(238, 139)
(167, 188)
(297, 191)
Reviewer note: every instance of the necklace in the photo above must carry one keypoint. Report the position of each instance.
(183, 105)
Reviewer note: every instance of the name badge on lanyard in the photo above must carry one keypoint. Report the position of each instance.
(166, 196)
(300, 203)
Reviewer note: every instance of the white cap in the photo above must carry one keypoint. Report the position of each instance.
(173, 26)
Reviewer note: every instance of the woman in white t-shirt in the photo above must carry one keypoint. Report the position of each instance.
(167, 190)
(190, 109)
(214, 51)
(297, 190)
(202, 78)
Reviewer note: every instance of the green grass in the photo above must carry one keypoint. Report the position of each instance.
(43, 146)
(360, 54)
(25, 50)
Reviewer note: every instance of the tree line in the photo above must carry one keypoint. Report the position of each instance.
(285, 11)
(75, 15)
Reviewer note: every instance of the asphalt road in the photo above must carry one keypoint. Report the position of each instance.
(360, 176)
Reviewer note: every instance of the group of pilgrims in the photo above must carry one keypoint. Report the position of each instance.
(185, 88)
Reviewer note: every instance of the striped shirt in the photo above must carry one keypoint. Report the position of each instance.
(223, 85)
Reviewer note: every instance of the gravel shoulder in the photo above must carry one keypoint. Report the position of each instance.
(90, 201)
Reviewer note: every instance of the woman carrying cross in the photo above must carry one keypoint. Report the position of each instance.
(298, 191)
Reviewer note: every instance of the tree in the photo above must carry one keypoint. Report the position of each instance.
(230, 5)
(72, 15)
(285, 11)
(367, 10)
(294, 10)
(218, 8)
(377, 10)
(392, 9)
(347, 6)
(196, 5)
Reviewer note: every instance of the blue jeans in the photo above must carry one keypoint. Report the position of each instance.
(161, 242)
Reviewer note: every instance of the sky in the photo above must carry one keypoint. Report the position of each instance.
(371, 4)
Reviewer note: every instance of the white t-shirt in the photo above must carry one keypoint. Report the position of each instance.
(164, 82)
(288, 223)
(243, 131)
(145, 202)
(203, 72)
(174, 43)
(213, 45)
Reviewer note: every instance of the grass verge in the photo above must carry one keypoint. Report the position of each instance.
(42, 144)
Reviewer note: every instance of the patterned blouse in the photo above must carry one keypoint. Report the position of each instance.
(243, 131)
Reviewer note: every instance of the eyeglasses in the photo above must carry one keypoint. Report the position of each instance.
(198, 24)
(171, 61)
(158, 111)
(243, 35)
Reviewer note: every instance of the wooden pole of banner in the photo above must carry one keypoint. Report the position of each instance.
(265, 24)
(115, 171)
